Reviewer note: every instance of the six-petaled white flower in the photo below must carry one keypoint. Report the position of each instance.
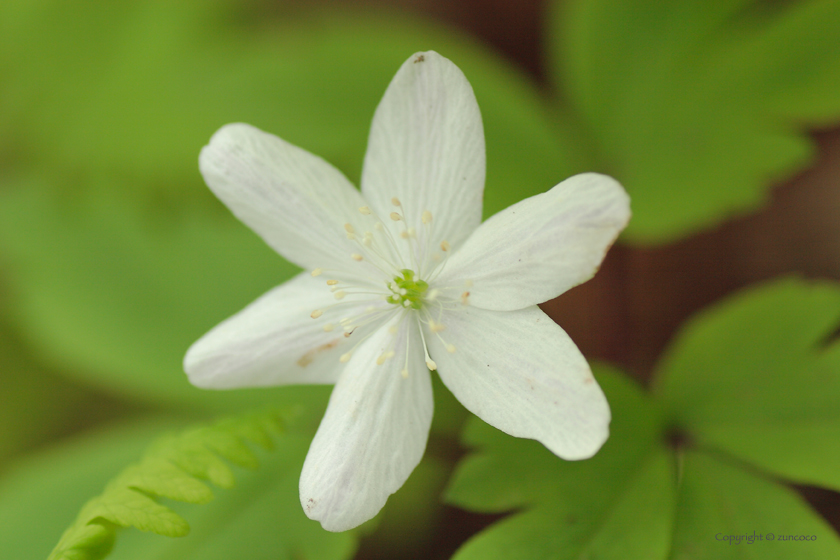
(404, 278)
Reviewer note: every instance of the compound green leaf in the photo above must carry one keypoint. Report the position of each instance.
(698, 107)
(572, 509)
(758, 376)
(727, 513)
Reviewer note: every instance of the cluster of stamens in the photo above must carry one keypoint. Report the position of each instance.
(406, 292)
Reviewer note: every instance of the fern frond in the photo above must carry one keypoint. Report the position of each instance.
(173, 467)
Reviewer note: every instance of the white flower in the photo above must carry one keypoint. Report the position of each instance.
(404, 278)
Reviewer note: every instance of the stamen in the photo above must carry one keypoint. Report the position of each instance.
(468, 283)
(364, 210)
(433, 295)
(450, 348)
(332, 282)
(464, 298)
(345, 357)
(396, 201)
(444, 245)
(317, 272)
(393, 329)
(349, 228)
(404, 373)
(341, 293)
(328, 327)
(396, 216)
(430, 363)
(426, 217)
(350, 236)
(317, 313)
(435, 326)
(356, 257)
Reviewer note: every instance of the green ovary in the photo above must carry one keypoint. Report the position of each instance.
(407, 290)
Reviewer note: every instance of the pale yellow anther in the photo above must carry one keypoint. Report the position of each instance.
(364, 210)
(404, 373)
(426, 217)
(411, 232)
(329, 327)
(317, 313)
(332, 282)
(340, 294)
(436, 257)
(396, 201)
(381, 360)
(431, 364)
(433, 294)
(404, 234)
(436, 327)
(345, 357)
(465, 298)
(350, 236)
(333, 289)
(395, 216)
(349, 228)
(347, 334)
(378, 226)
(450, 348)
(317, 272)
(356, 257)
(468, 283)
(393, 329)
(368, 239)
(444, 245)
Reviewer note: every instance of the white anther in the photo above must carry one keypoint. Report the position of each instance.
(396, 201)
(317, 272)
(431, 364)
(411, 232)
(341, 293)
(332, 282)
(403, 291)
(444, 245)
(356, 257)
(349, 228)
(450, 348)
(345, 357)
(426, 217)
(396, 216)
(406, 303)
(328, 327)
(364, 210)
(317, 313)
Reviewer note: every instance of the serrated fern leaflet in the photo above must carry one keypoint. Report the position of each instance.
(173, 467)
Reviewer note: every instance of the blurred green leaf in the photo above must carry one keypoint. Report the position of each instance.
(572, 508)
(697, 107)
(756, 377)
(121, 293)
(120, 256)
(717, 500)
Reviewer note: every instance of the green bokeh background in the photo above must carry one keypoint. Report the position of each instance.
(114, 257)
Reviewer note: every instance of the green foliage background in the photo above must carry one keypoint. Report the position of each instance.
(114, 258)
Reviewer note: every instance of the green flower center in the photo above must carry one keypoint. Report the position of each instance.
(407, 291)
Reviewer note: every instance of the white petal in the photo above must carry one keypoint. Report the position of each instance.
(295, 201)
(373, 434)
(273, 341)
(520, 372)
(426, 148)
(542, 246)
